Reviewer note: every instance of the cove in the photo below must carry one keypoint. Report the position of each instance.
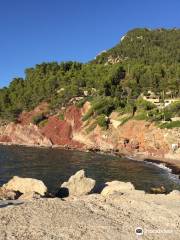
(54, 166)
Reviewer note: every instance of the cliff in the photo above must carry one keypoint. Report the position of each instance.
(134, 137)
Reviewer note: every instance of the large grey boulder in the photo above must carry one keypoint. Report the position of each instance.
(78, 184)
(26, 185)
(117, 186)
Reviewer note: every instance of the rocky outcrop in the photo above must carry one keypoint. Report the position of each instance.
(25, 118)
(93, 217)
(134, 137)
(73, 117)
(78, 185)
(116, 186)
(23, 134)
(174, 194)
(60, 132)
(26, 185)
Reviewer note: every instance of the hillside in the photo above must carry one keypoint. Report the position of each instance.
(144, 62)
(146, 46)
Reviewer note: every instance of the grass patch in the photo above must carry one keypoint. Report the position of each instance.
(88, 115)
(126, 119)
(169, 125)
(141, 116)
(102, 121)
(61, 116)
(91, 127)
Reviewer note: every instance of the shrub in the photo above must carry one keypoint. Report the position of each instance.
(155, 115)
(80, 103)
(88, 115)
(141, 116)
(173, 109)
(38, 118)
(102, 121)
(175, 124)
(43, 123)
(104, 105)
(91, 127)
(61, 116)
(145, 105)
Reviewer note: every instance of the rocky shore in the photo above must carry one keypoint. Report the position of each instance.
(114, 213)
(139, 139)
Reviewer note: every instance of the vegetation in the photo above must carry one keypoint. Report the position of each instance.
(102, 121)
(38, 118)
(144, 60)
(61, 116)
(169, 125)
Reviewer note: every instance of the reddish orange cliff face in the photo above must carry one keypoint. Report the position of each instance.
(25, 118)
(60, 132)
(133, 137)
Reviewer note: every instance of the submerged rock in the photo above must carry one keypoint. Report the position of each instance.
(117, 186)
(26, 185)
(77, 185)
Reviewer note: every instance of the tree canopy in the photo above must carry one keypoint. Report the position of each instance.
(143, 60)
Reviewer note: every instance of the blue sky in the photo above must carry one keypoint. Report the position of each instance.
(58, 30)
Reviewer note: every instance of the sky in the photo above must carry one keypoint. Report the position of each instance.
(36, 31)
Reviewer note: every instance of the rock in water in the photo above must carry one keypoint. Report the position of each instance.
(117, 186)
(77, 185)
(26, 185)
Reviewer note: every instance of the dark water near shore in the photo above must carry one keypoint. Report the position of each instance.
(55, 166)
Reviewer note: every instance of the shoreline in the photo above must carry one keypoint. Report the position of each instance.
(172, 164)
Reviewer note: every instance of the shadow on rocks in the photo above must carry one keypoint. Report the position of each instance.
(62, 192)
(98, 188)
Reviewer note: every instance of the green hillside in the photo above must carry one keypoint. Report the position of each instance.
(147, 47)
(144, 60)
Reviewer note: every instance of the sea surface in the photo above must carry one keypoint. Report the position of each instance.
(54, 166)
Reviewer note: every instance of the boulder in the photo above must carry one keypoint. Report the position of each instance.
(117, 186)
(77, 185)
(26, 185)
(174, 193)
(158, 190)
(29, 196)
(6, 194)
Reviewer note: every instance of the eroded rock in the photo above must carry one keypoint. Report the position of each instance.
(174, 193)
(117, 186)
(6, 194)
(77, 185)
(26, 185)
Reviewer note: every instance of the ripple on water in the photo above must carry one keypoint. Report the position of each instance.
(54, 166)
